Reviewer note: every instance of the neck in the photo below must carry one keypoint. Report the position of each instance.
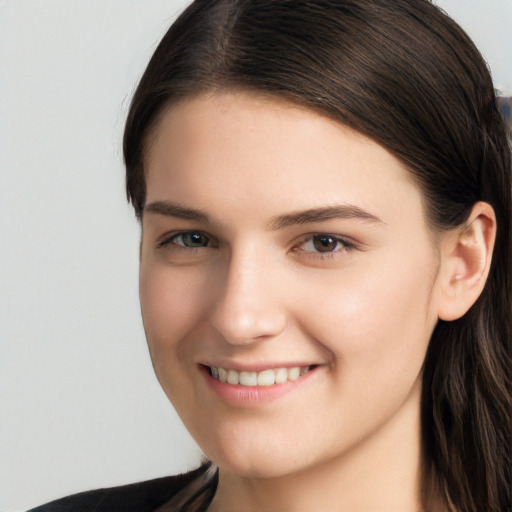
(382, 474)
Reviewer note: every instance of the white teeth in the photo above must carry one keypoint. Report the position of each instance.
(233, 377)
(281, 375)
(293, 373)
(223, 375)
(263, 378)
(248, 378)
(266, 378)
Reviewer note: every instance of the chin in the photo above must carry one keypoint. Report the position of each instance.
(259, 460)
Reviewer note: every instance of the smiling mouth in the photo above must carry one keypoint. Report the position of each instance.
(268, 377)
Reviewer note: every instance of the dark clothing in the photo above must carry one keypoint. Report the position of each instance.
(190, 492)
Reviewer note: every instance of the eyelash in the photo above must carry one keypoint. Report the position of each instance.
(345, 245)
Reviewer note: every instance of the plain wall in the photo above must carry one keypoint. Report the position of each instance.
(80, 406)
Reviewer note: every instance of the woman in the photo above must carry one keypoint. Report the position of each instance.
(324, 192)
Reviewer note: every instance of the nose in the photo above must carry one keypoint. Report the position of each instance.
(248, 307)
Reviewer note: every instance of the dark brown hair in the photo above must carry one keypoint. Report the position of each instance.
(404, 74)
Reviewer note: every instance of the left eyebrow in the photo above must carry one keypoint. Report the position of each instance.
(345, 211)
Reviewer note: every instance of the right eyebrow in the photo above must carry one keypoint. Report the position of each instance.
(170, 209)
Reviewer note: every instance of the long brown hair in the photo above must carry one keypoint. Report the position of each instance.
(406, 75)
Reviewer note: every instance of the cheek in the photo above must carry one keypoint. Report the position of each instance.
(170, 305)
(376, 321)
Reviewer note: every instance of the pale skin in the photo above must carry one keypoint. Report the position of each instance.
(275, 237)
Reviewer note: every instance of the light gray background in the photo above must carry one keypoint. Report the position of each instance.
(79, 405)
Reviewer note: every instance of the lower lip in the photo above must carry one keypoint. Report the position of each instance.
(251, 396)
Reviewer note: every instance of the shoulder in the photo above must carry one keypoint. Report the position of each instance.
(138, 497)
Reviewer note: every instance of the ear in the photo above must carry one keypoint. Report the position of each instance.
(466, 255)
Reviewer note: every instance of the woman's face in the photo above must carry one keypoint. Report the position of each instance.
(290, 254)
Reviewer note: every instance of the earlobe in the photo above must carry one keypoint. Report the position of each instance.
(466, 255)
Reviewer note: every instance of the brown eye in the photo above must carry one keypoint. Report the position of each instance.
(325, 243)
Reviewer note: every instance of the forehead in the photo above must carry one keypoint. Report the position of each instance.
(247, 153)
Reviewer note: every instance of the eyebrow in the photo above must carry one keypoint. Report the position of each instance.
(321, 214)
(176, 210)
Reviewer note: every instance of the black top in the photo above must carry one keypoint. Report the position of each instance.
(190, 492)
